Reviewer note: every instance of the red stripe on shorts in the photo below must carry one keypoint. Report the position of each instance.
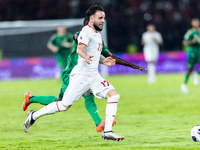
(57, 106)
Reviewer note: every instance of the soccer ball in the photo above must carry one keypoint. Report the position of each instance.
(195, 133)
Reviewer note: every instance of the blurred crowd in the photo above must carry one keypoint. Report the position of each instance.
(126, 19)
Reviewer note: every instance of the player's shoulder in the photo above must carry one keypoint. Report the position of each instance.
(70, 35)
(54, 35)
(190, 31)
(86, 31)
(145, 33)
(86, 28)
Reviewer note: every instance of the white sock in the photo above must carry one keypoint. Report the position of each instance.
(49, 109)
(195, 78)
(111, 110)
(151, 73)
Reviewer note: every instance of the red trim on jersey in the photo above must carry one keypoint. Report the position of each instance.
(111, 102)
(82, 43)
(57, 106)
(90, 27)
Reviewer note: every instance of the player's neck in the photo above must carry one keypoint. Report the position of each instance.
(196, 28)
(92, 26)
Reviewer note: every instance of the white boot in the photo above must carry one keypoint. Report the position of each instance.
(184, 88)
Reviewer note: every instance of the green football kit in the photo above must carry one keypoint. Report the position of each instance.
(63, 52)
(89, 99)
(193, 49)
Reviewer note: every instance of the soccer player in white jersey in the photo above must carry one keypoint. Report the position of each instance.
(151, 39)
(85, 77)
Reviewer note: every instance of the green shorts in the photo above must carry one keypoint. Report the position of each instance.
(62, 62)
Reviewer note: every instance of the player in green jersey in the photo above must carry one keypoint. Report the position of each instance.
(192, 40)
(89, 97)
(61, 45)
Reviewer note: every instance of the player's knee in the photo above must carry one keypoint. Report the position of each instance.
(114, 98)
(111, 93)
(61, 106)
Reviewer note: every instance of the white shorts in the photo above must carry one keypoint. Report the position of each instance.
(79, 84)
(151, 54)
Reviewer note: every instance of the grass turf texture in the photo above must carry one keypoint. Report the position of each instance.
(150, 117)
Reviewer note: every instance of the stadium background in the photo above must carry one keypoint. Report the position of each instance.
(126, 21)
(151, 117)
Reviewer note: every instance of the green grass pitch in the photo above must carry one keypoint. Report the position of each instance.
(150, 117)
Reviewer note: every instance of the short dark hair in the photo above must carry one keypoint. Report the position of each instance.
(91, 11)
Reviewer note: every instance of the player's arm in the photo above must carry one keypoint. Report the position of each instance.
(123, 62)
(142, 40)
(189, 39)
(50, 45)
(53, 48)
(158, 39)
(67, 44)
(81, 52)
(193, 41)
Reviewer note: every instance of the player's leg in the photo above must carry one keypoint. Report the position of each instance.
(61, 63)
(111, 109)
(151, 72)
(77, 82)
(150, 56)
(44, 100)
(195, 78)
(196, 73)
(103, 89)
(91, 107)
(190, 66)
(153, 57)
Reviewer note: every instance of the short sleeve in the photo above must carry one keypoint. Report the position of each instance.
(52, 39)
(187, 36)
(70, 37)
(143, 35)
(84, 36)
(159, 36)
(105, 50)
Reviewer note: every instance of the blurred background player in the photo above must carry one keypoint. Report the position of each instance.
(61, 45)
(192, 40)
(151, 39)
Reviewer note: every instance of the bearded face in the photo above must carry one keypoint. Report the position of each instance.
(96, 26)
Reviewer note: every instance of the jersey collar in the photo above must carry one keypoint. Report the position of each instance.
(91, 28)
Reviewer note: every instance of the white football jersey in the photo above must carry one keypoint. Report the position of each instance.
(148, 38)
(93, 42)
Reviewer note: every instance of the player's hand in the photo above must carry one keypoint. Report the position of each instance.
(88, 58)
(109, 61)
(138, 67)
(141, 69)
(54, 49)
(194, 40)
(66, 44)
